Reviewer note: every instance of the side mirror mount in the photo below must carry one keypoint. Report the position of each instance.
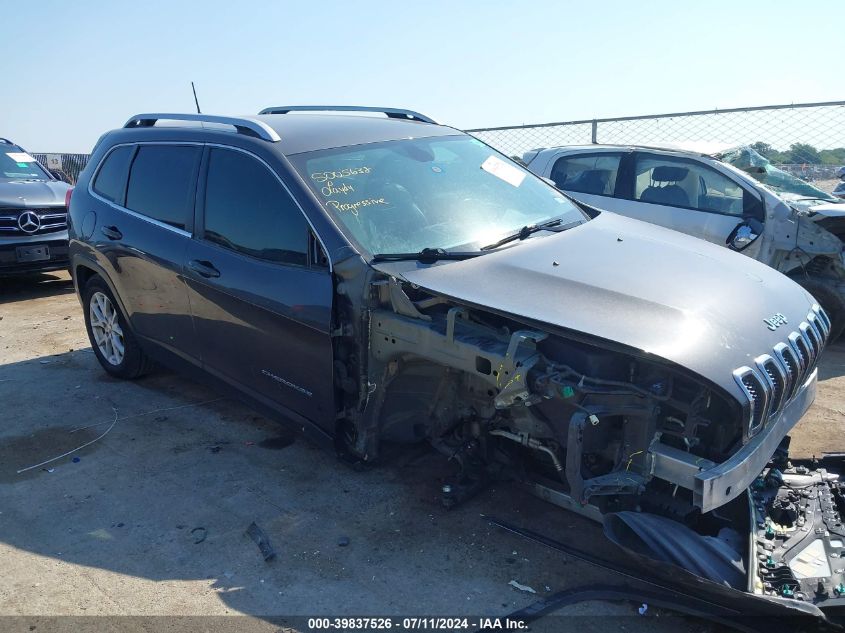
(549, 181)
(744, 234)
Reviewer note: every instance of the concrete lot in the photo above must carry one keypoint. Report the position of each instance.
(114, 532)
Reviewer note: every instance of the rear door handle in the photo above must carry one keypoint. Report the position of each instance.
(112, 232)
(203, 268)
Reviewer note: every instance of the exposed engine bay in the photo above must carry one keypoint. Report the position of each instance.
(597, 429)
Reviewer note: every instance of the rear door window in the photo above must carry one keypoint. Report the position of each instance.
(162, 183)
(587, 173)
(110, 182)
(249, 211)
(684, 183)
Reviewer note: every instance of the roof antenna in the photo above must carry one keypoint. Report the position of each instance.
(195, 98)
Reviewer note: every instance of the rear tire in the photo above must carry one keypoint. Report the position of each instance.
(832, 302)
(112, 340)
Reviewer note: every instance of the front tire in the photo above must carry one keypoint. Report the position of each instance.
(113, 343)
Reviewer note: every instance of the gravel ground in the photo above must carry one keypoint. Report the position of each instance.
(115, 533)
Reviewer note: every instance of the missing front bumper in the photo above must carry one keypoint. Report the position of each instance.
(713, 485)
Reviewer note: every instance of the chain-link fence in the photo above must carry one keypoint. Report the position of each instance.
(807, 138)
(806, 134)
(64, 166)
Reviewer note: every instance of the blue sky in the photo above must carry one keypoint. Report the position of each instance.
(72, 70)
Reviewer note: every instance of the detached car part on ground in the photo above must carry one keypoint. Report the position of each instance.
(705, 197)
(391, 280)
(33, 214)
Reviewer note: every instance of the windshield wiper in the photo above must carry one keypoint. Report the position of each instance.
(426, 255)
(524, 232)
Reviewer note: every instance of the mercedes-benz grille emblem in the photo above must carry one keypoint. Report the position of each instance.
(29, 222)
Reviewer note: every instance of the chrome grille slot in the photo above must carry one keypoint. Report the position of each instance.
(815, 334)
(777, 378)
(758, 396)
(799, 346)
(789, 362)
(775, 375)
(804, 329)
(818, 318)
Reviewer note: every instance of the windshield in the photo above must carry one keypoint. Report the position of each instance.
(761, 169)
(16, 164)
(447, 192)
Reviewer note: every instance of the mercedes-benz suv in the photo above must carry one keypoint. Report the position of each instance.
(33, 214)
(375, 279)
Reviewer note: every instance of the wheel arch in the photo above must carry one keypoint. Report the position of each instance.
(83, 270)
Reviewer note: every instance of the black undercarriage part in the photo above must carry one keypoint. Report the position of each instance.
(674, 588)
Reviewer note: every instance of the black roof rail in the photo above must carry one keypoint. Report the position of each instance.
(5, 140)
(242, 125)
(393, 113)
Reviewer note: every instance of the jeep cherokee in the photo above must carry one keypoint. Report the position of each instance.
(378, 279)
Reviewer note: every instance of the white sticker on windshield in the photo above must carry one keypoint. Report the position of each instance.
(502, 170)
(20, 157)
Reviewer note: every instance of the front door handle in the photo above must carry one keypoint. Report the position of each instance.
(112, 232)
(203, 268)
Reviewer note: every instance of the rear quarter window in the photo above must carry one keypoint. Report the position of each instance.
(110, 182)
(162, 183)
(590, 173)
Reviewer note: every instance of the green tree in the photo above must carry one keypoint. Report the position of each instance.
(833, 156)
(803, 153)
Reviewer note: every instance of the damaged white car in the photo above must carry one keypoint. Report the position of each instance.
(785, 223)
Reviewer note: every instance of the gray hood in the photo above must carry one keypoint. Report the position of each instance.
(685, 300)
(48, 193)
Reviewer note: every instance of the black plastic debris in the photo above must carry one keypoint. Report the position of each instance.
(257, 534)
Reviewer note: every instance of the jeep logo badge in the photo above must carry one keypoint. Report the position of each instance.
(774, 322)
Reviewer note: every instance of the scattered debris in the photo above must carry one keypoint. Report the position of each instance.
(45, 362)
(199, 534)
(76, 460)
(521, 587)
(343, 541)
(257, 534)
(642, 610)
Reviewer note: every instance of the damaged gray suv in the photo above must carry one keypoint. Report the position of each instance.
(385, 279)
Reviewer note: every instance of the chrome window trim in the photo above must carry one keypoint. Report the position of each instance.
(188, 233)
(136, 214)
